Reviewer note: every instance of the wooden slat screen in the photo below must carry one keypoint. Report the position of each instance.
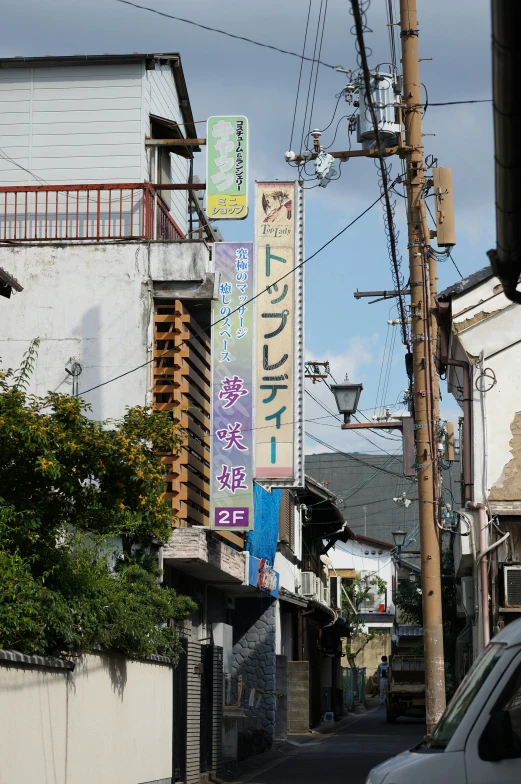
(182, 385)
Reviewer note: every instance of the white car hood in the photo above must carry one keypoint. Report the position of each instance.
(409, 767)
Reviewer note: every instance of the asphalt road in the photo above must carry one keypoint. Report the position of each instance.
(346, 756)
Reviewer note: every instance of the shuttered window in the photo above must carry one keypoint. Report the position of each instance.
(287, 519)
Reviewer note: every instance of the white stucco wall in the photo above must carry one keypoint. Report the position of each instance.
(485, 322)
(93, 302)
(109, 721)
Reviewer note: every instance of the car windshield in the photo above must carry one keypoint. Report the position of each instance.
(464, 696)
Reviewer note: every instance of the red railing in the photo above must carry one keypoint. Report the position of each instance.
(87, 212)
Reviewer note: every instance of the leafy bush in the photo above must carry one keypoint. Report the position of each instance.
(81, 517)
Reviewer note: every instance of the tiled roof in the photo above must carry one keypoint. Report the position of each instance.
(465, 284)
(410, 631)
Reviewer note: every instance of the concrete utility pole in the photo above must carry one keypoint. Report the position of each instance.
(425, 382)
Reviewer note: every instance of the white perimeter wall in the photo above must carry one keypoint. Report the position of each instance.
(109, 721)
(93, 302)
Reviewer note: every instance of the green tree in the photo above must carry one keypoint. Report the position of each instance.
(410, 604)
(355, 593)
(81, 519)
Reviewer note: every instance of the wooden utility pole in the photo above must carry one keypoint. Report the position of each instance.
(425, 382)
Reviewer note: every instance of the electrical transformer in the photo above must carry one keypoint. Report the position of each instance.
(384, 101)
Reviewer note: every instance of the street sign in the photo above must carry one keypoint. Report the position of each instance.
(231, 448)
(227, 168)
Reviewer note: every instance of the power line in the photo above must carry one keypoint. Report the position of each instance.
(319, 54)
(456, 103)
(362, 435)
(300, 77)
(202, 331)
(449, 254)
(224, 32)
(303, 136)
(384, 171)
(353, 458)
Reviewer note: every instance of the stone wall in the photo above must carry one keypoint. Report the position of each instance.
(200, 545)
(254, 657)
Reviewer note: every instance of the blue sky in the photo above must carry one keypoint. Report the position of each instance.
(232, 77)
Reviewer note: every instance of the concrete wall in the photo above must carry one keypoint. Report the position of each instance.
(94, 302)
(254, 655)
(298, 697)
(371, 652)
(109, 720)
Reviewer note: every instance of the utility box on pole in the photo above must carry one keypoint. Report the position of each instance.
(444, 203)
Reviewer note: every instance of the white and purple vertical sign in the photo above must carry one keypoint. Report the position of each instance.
(231, 489)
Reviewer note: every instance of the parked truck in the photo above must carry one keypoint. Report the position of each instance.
(405, 687)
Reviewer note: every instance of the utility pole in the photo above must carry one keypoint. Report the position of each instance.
(423, 289)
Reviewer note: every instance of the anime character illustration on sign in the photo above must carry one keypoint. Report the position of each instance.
(231, 450)
(277, 205)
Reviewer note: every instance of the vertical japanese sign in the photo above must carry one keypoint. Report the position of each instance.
(279, 334)
(231, 460)
(227, 168)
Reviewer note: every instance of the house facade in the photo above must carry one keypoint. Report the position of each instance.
(479, 348)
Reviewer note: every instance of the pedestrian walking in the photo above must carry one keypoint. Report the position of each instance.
(382, 673)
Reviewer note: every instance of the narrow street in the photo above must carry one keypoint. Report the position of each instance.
(348, 754)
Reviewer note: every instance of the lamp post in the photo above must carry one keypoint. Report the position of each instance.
(346, 397)
(399, 538)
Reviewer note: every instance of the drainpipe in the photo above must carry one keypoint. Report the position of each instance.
(468, 479)
(483, 567)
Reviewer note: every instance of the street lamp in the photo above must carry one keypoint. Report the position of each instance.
(346, 397)
(399, 538)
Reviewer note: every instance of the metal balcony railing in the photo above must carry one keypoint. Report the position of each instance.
(116, 211)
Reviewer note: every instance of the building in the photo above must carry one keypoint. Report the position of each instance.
(479, 347)
(373, 494)
(101, 217)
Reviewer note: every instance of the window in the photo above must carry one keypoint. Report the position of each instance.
(511, 703)
(465, 695)
(287, 519)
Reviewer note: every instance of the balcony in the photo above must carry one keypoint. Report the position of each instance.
(118, 211)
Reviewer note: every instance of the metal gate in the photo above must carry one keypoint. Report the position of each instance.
(211, 708)
(179, 717)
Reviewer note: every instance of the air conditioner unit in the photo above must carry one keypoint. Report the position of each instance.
(326, 596)
(512, 585)
(309, 584)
